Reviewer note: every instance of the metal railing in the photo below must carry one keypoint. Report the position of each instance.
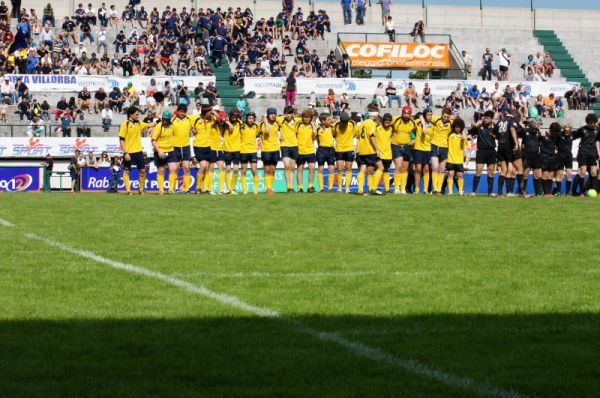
(459, 71)
(52, 130)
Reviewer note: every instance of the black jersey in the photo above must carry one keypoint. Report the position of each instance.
(485, 137)
(502, 130)
(588, 136)
(564, 144)
(547, 149)
(531, 141)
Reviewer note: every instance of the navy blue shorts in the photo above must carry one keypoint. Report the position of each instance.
(439, 152)
(183, 154)
(303, 159)
(387, 163)
(248, 158)
(347, 156)
(584, 159)
(171, 158)
(455, 167)
(422, 157)
(402, 151)
(289, 152)
(270, 158)
(216, 156)
(137, 160)
(325, 155)
(369, 160)
(231, 158)
(564, 161)
(202, 153)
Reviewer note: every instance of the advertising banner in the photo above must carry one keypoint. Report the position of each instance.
(397, 55)
(38, 147)
(20, 179)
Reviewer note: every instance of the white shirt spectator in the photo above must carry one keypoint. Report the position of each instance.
(503, 59)
(46, 35)
(80, 49)
(101, 36)
(6, 87)
(107, 113)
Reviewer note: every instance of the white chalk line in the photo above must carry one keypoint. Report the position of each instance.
(356, 347)
(5, 223)
(316, 274)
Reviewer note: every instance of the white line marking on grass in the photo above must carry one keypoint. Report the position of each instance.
(5, 223)
(355, 347)
(332, 274)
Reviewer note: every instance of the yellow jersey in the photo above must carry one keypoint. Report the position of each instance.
(383, 138)
(364, 134)
(344, 137)
(422, 141)
(325, 137)
(456, 146)
(181, 130)
(202, 139)
(233, 141)
(270, 138)
(288, 130)
(216, 136)
(306, 145)
(249, 134)
(440, 131)
(131, 132)
(402, 130)
(163, 137)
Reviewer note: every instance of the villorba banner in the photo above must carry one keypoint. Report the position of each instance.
(397, 55)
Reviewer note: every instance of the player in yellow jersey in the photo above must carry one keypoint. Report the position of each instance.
(344, 131)
(182, 128)
(383, 136)
(325, 151)
(441, 127)
(289, 144)
(164, 153)
(306, 132)
(457, 142)
(368, 154)
(232, 143)
(422, 150)
(130, 140)
(216, 150)
(269, 131)
(248, 151)
(402, 142)
(202, 130)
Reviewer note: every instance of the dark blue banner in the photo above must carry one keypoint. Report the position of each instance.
(20, 179)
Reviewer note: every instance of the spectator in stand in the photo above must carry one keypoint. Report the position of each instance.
(583, 99)
(361, 7)
(75, 165)
(102, 41)
(427, 97)
(68, 30)
(347, 10)
(104, 160)
(36, 127)
(344, 102)
(329, 101)
(3, 110)
(418, 30)
(91, 161)
(473, 97)
(84, 100)
(65, 123)
(392, 94)
(468, 61)
(107, 117)
(3, 12)
(7, 91)
(380, 96)
(538, 64)
(211, 93)
(410, 95)
(100, 100)
(48, 165)
(486, 60)
(549, 106)
(82, 127)
(504, 62)
(290, 88)
(386, 6)
(548, 65)
(24, 108)
(390, 29)
(116, 100)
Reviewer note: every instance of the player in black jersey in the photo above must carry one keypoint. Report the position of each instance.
(548, 151)
(587, 156)
(515, 169)
(564, 159)
(531, 157)
(483, 130)
(506, 134)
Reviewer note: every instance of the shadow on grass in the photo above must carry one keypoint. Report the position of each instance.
(550, 355)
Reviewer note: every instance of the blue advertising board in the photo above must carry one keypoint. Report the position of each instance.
(20, 179)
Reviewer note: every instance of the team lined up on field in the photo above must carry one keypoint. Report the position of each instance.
(423, 144)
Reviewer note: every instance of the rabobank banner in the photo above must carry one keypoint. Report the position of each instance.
(74, 83)
(367, 87)
(20, 179)
(38, 147)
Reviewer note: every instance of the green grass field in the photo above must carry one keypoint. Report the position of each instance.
(298, 296)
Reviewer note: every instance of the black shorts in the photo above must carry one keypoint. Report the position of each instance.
(216, 156)
(455, 167)
(202, 153)
(485, 156)
(369, 160)
(73, 174)
(387, 163)
(564, 161)
(270, 158)
(347, 156)
(137, 160)
(303, 159)
(402, 151)
(505, 153)
(248, 158)
(183, 154)
(517, 155)
(503, 68)
(289, 152)
(231, 158)
(171, 158)
(548, 164)
(325, 155)
(584, 159)
(531, 160)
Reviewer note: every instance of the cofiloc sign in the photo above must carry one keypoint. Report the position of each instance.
(397, 55)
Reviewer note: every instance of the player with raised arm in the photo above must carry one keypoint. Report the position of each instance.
(306, 132)
(130, 141)
(182, 129)
(344, 131)
(441, 128)
(248, 152)
(457, 142)
(587, 156)
(422, 150)
(289, 144)
(483, 130)
(325, 152)
(404, 130)
(269, 131)
(164, 152)
(232, 143)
